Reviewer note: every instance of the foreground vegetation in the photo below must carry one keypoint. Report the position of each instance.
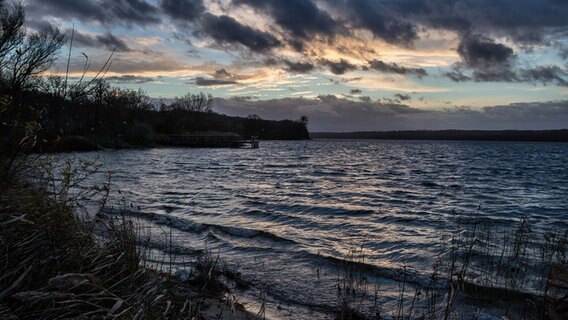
(53, 267)
(481, 272)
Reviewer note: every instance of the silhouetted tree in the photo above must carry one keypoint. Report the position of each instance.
(11, 30)
(193, 102)
(24, 55)
(136, 99)
(53, 86)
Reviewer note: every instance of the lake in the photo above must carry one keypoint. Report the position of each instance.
(286, 214)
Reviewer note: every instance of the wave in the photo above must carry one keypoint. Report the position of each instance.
(197, 227)
(317, 210)
(396, 273)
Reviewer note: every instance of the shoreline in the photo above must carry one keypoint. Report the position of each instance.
(56, 259)
(92, 143)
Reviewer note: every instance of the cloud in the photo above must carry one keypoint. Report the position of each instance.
(402, 97)
(227, 31)
(482, 53)
(396, 83)
(329, 113)
(129, 78)
(184, 10)
(299, 67)
(339, 67)
(493, 38)
(203, 82)
(120, 12)
(355, 91)
(540, 74)
(522, 21)
(302, 19)
(381, 20)
(485, 60)
(457, 75)
(546, 74)
(131, 63)
(395, 68)
(222, 73)
(107, 41)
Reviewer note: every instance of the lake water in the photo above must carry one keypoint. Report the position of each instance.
(286, 213)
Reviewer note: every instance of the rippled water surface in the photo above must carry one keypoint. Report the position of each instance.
(285, 212)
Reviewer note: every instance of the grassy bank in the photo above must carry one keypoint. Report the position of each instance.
(55, 265)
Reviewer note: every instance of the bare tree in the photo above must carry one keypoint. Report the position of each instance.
(12, 32)
(35, 55)
(194, 102)
(24, 55)
(136, 99)
(101, 92)
(53, 85)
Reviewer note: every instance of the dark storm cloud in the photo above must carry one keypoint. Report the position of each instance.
(129, 78)
(484, 60)
(106, 41)
(522, 21)
(126, 12)
(380, 18)
(83, 10)
(382, 22)
(329, 113)
(301, 18)
(395, 68)
(228, 31)
(481, 52)
(203, 82)
(186, 10)
(299, 67)
(355, 91)
(339, 67)
(138, 11)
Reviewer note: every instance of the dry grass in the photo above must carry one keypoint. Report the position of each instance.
(52, 267)
(515, 271)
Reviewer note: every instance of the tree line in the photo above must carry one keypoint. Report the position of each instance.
(89, 105)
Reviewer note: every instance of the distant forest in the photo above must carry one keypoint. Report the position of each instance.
(474, 135)
(61, 108)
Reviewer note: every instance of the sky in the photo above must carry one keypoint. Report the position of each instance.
(349, 65)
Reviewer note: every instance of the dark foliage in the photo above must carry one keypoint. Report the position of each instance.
(113, 117)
